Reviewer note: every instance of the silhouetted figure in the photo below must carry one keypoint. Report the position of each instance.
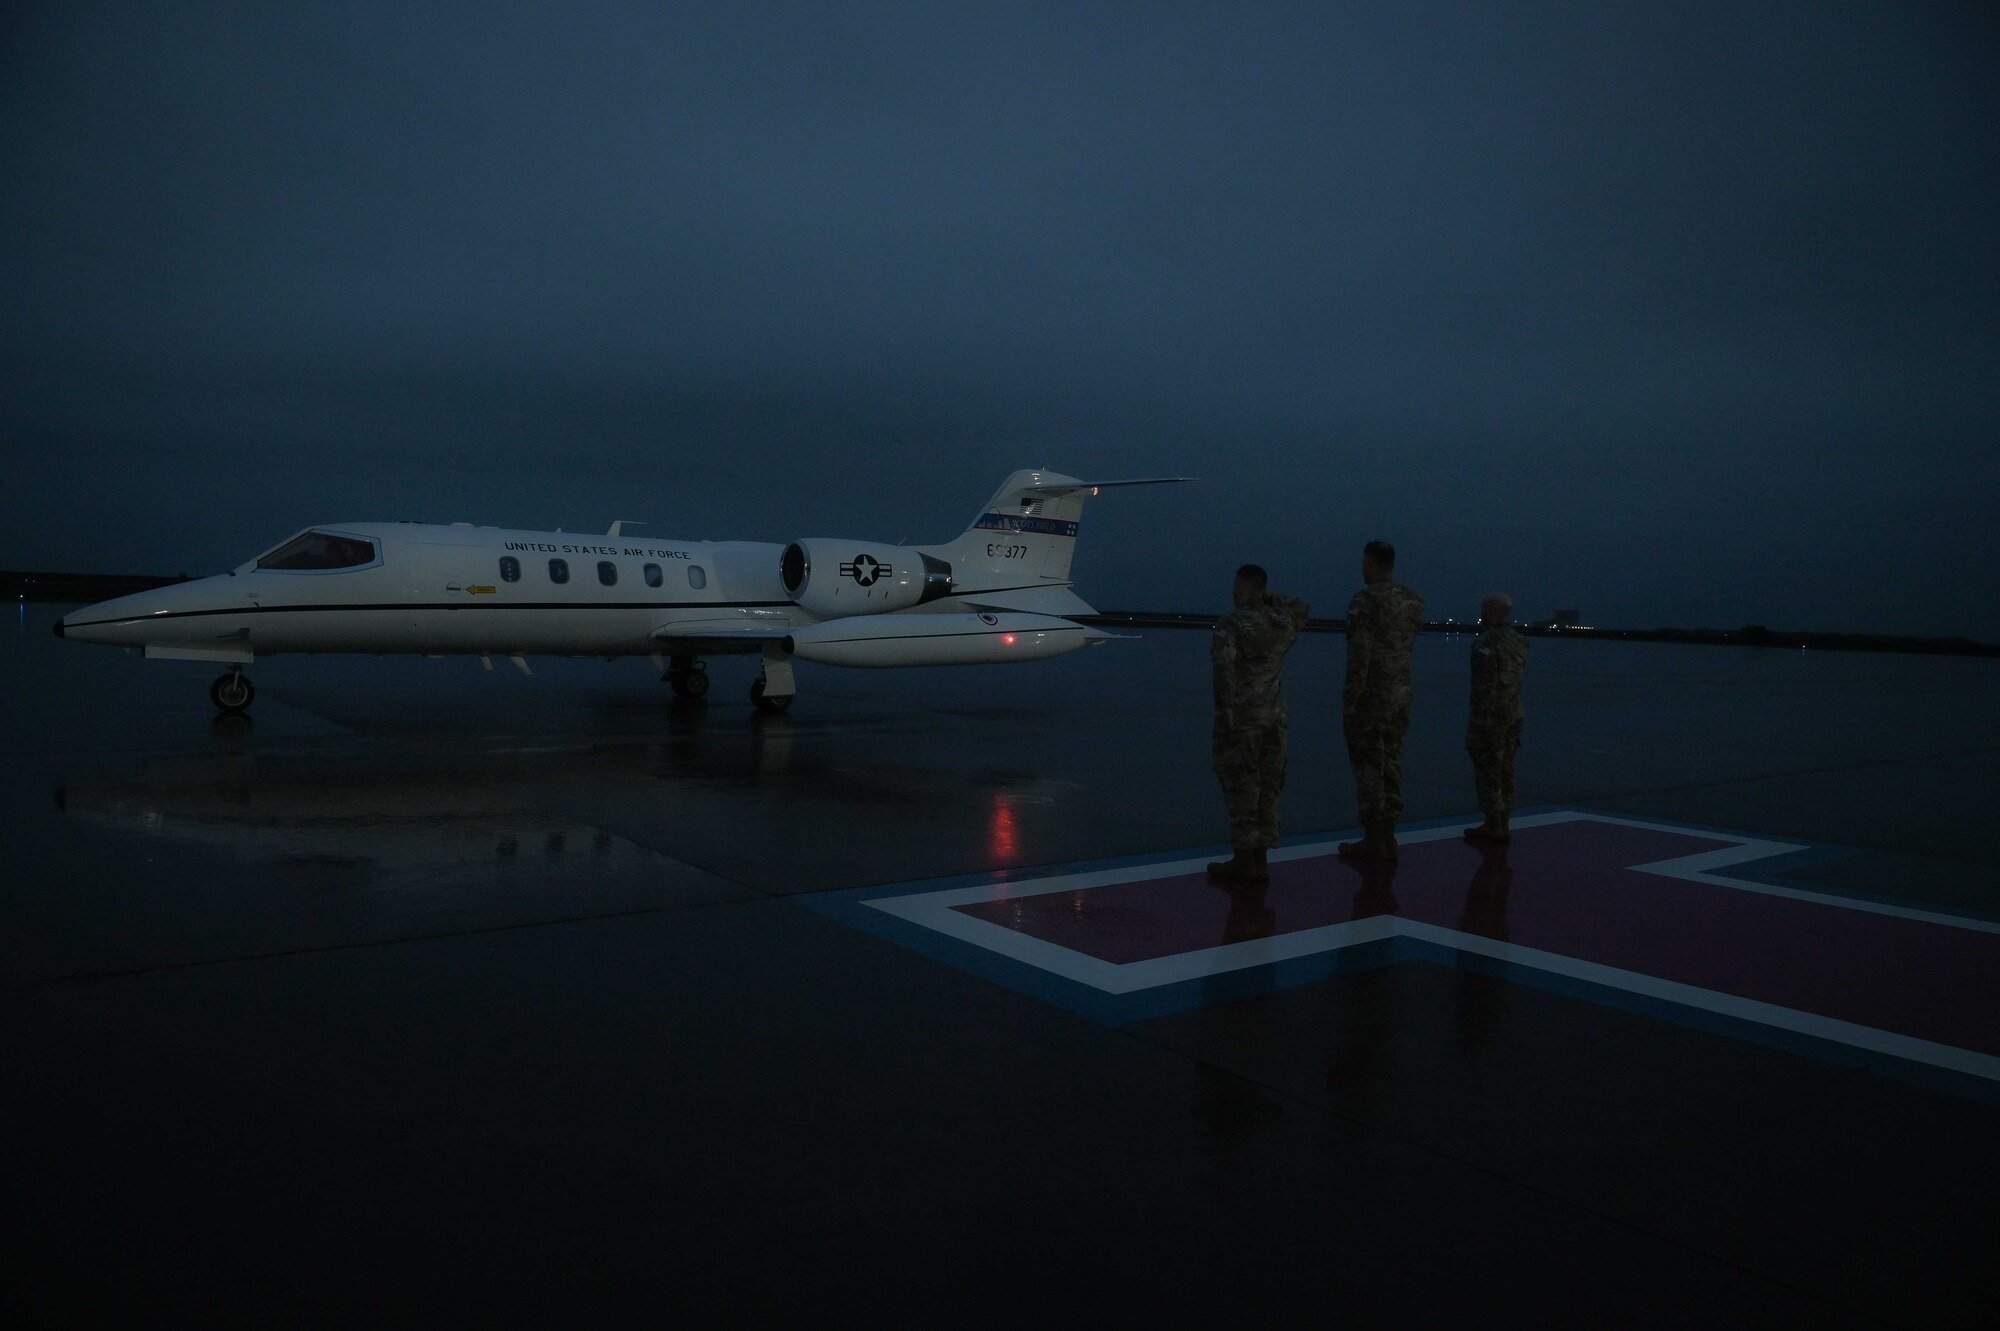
(1382, 622)
(1247, 656)
(1493, 732)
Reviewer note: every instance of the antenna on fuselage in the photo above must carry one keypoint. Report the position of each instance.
(618, 527)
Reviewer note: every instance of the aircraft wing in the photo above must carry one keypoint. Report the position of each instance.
(717, 637)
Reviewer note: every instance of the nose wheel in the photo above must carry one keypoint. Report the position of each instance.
(231, 693)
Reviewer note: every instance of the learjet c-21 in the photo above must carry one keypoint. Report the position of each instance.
(999, 593)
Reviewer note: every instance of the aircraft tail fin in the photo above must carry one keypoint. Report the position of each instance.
(1026, 535)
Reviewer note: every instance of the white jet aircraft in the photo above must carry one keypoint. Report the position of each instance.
(1000, 592)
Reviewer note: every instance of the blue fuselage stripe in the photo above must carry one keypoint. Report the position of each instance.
(1030, 526)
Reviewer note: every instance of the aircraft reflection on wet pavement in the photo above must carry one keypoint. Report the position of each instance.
(1000, 593)
(591, 819)
(391, 830)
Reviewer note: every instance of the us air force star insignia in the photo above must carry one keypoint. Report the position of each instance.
(865, 570)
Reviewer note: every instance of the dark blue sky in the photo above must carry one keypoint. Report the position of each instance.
(1678, 313)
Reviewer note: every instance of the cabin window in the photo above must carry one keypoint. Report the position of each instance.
(558, 570)
(320, 551)
(653, 575)
(607, 573)
(510, 569)
(697, 577)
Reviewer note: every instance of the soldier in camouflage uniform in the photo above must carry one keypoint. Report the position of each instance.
(1499, 658)
(1248, 656)
(1382, 622)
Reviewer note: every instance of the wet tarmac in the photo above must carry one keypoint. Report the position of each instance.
(429, 995)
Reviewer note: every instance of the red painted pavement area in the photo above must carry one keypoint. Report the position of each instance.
(1569, 888)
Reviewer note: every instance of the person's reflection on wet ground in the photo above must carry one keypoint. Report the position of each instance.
(1230, 1109)
(1376, 894)
(1361, 1049)
(1481, 998)
(1250, 915)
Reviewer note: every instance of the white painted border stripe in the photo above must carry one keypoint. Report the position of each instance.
(936, 911)
(1710, 1000)
(1701, 867)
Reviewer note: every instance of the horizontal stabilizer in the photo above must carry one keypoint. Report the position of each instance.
(1092, 487)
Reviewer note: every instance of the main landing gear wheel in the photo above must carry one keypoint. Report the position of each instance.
(231, 693)
(689, 683)
(769, 703)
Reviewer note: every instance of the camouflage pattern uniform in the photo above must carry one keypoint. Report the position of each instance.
(1382, 622)
(1499, 659)
(1248, 655)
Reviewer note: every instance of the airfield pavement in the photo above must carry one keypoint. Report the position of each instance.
(433, 996)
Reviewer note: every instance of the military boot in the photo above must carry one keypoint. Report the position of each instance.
(1493, 831)
(1376, 842)
(1240, 867)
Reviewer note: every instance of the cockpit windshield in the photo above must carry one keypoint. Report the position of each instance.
(320, 551)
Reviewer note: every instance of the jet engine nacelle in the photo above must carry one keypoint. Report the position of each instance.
(834, 577)
(913, 640)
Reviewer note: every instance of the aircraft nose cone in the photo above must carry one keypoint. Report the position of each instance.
(59, 631)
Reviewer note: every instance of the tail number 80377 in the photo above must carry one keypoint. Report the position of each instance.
(1001, 550)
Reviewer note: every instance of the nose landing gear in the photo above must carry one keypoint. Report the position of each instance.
(231, 693)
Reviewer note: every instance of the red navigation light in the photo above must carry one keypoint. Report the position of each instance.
(1007, 638)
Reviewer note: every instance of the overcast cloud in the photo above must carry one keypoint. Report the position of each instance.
(1677, 313)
